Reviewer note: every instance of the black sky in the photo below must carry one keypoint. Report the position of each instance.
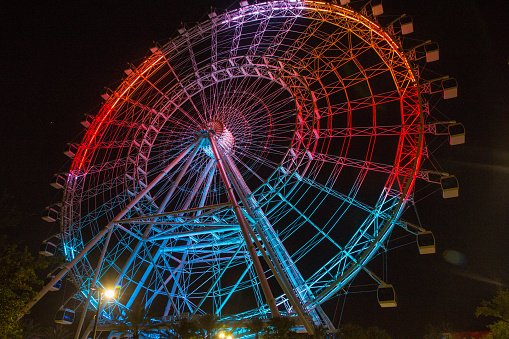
(57, 58)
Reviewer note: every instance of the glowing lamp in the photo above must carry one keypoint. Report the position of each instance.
(109, 294)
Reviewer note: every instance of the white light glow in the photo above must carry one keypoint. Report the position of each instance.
(109, 294)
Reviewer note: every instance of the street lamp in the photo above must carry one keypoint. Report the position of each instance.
(108, 294)
(224, 336)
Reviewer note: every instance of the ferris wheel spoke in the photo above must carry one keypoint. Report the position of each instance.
(174, 185)
(308, 220)
(150, 110)
(346, 252)
(198, 184)
(166, 98)
(259, 160)
(239, 160)
(183, 89)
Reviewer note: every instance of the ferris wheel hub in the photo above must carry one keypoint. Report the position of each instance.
(223, 137)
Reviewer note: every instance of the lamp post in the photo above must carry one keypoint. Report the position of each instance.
(108, 294)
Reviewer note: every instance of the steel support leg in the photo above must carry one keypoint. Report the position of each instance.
(245, 232)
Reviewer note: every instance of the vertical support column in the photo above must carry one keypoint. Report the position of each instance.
(275, 266)
(245, 232)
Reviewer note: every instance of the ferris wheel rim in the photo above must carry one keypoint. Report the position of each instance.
(80, 162)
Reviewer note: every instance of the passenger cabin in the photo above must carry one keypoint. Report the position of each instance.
(65, 316)
(50, 214)
(71, 151)
(59, 180)
(431, 50)
(386, 296)
(56, 286)
(426, 242)
(407, 25)
(456, 134)
(450, 88)
(450, 186)
(377, 8)
(87, 121)
(344, 2)
(48, 249)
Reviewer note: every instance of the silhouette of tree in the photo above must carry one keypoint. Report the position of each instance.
(184, 329)
(56, 332)
(377, 333)
(208, 326)
(435, 331)
(497, 307)
(352, 331)
(30, 329)
(17, 281)
(280, 328)
(136, 321)
(319, 332)
(255, 325)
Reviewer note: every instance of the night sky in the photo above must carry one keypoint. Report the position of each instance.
(57, 58)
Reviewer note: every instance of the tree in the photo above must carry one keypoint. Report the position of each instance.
(255, 325)
(437, 331)
(497, 307)
(280, 328)
(208, 325)
(56, 332)
(319, 332)
(351, 331)
(184, 328)
(136, 321)
(17, 281)
(374, 332)
(30, 329)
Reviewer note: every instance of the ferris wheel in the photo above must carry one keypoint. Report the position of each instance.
(252, 165)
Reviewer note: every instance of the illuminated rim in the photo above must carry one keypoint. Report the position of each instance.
(318, 109)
